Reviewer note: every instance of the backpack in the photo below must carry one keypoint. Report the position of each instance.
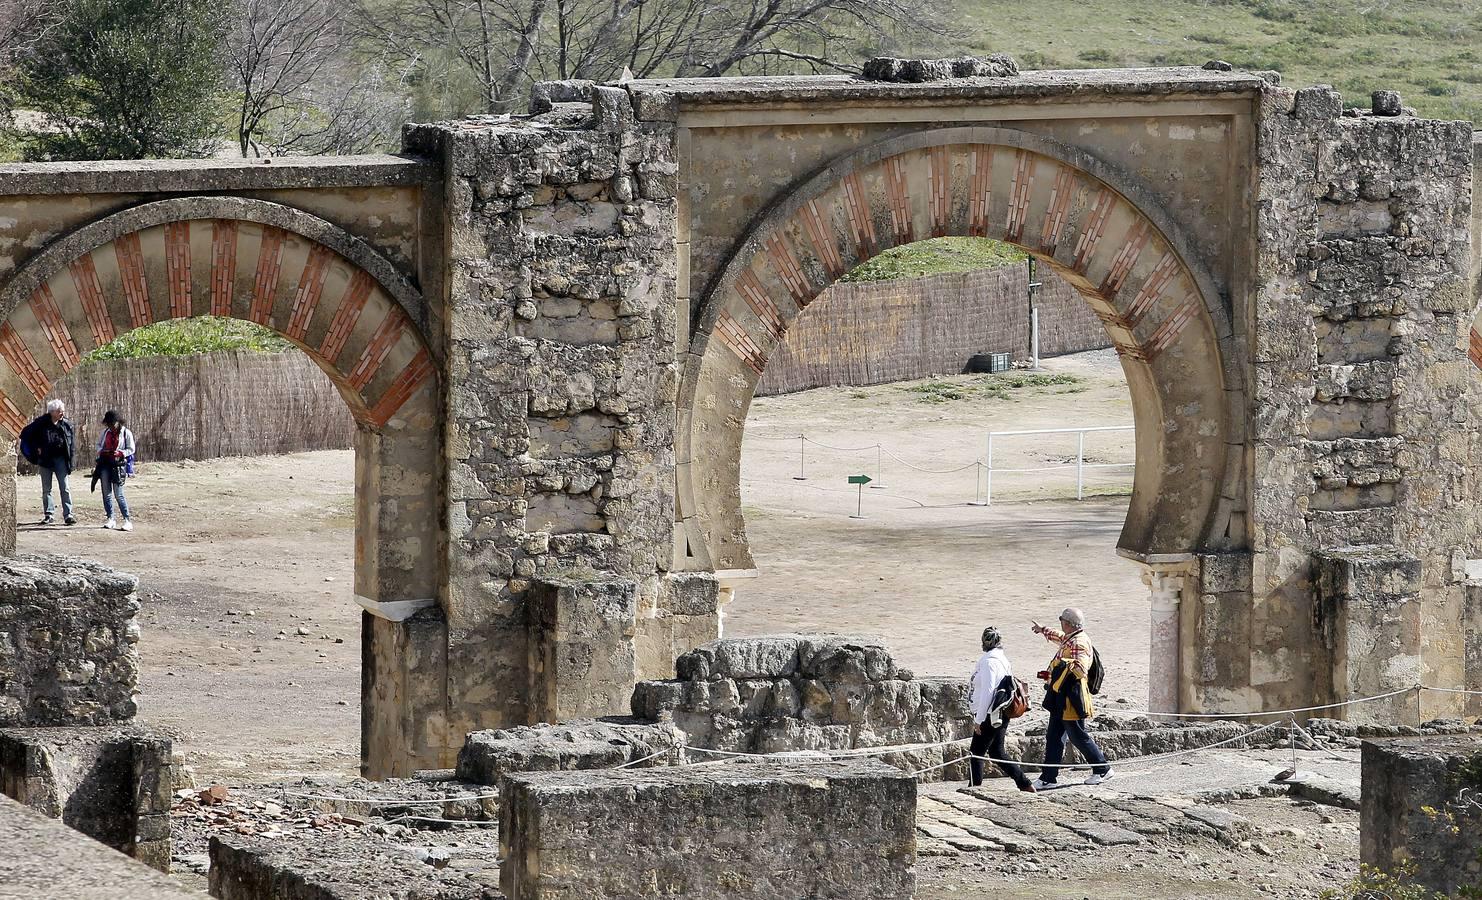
(1096, 673)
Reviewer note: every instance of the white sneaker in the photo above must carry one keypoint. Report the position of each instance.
(109, 523)
(128, 525)
(1040, 784)
(1099, 779)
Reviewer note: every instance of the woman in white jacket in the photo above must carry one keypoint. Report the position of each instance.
(115, 457)
(992, 690)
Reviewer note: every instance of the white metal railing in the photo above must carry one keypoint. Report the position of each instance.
(1080, 458)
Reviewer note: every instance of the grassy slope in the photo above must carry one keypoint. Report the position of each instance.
(937, 256)
(1429, 50)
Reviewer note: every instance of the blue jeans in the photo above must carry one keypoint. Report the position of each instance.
(113, 488)
(57, 468)
(1075, 731)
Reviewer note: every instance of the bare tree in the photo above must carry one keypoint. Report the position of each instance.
(494, 39)
(506, 44)
(278, 50)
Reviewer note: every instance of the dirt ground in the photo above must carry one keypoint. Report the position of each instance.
(250, 636)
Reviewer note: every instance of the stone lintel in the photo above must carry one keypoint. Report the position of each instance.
(188, 175)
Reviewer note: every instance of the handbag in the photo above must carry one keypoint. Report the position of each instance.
(1019, 703)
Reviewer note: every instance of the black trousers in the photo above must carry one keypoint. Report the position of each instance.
(1074, 731)
(989, 742)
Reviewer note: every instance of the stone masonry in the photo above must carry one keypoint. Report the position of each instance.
(112, 784)
(819, 830)
(67, 636)
(810, 692)
(550, 329)
(561, 328)
(1364, 492)
(1422, 803)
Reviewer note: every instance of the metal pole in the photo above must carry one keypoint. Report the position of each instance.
(988, 474)
(879, 471)
(1080, 463)
(802, 475)
(859, 506)
(1034, 337)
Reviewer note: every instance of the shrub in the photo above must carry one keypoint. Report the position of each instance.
(183, 337)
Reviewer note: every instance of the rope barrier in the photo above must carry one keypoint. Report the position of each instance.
(1133, 761)
(390, 801)
(1274, 712)
(976, 462)
(634, 762)
(840, 449)
(1451, 690)
(475, 822)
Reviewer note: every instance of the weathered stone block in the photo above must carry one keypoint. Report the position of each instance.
(68, 626)
(329, 865)
(597, 744)
(1419, 803)
(581, 647)
(745, 831)
(111, 783)
(1369, 606)
(44, 858)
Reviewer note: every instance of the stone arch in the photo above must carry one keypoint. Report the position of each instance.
(1092, 224)
(326, 291)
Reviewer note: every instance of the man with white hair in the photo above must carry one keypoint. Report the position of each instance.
(49, 443)
(1068, 698)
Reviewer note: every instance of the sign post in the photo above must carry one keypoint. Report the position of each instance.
(860, 480)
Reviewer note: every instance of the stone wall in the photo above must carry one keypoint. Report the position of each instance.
(1361, 420)
(810, 692)
(561, 327)
(67, 636)
(1422, 803)
(744, 831)
(44, 858)
(112, 784)
(880, 331)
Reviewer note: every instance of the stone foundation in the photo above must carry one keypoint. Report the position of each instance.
(44, 858)
(809, 692)
(742, 831)
(328, 866)
(111, 784)
(67, 635)
(603, 744)
(1422, 801)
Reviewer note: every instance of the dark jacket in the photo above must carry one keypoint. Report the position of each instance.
(46, 441)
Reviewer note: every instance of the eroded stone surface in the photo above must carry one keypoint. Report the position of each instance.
(1422, 801)
(821, 829)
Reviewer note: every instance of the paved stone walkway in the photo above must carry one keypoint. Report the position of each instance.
(1177, 801)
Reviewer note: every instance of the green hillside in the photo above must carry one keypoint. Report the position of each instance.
(1429, 51)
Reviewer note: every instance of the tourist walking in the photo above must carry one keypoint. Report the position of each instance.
(115, 463)
(994, 691)
(49, 444)
(1068, 689)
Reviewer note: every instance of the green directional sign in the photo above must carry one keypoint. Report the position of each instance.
(860, 479)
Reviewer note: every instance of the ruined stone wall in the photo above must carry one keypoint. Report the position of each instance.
(810, 692)
(560, 408)
(67, 636)
(1361, 419)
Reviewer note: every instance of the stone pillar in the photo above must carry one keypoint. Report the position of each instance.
(559, 409)
(1369, 608)
(1420, 806)
(1166, 582)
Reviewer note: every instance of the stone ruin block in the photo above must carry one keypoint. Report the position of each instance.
(487, 756)
(44, 858)
(1422, 801)
(809, 692)
(325, 865)
(67, 636)
(1368, 600)
(582, 654)
(111, 784)
(752, 830)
